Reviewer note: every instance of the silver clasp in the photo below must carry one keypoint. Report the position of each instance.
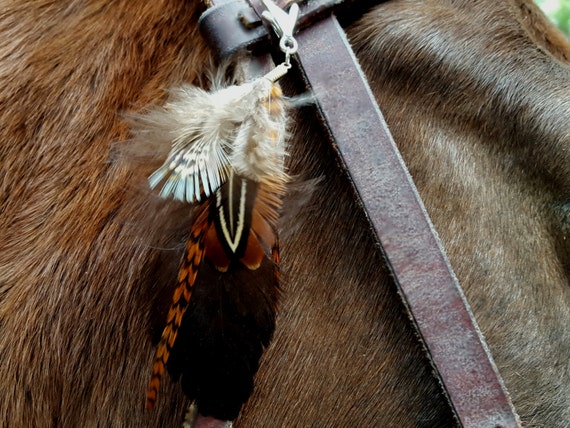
(283, 24)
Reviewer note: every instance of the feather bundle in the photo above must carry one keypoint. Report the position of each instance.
(226, 154)
(213, 133)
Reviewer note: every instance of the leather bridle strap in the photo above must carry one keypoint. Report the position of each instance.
(385, 190)
(408, 240)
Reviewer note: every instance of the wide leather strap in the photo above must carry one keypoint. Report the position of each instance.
(387, 194)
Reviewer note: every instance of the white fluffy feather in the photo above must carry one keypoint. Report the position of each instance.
(240, 128)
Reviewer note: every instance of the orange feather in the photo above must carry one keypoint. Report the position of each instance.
(181, 298)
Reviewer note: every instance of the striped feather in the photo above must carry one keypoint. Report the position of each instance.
(240, 128)
(227, 146)
(181, 298)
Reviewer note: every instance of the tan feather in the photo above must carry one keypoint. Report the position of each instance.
(211, 133)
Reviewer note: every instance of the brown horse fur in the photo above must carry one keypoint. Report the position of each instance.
(477, 97)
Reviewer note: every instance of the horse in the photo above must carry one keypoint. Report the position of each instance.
(476, 97)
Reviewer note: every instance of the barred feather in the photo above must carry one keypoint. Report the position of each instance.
(212, 133)
(181, 298)
(227, 152)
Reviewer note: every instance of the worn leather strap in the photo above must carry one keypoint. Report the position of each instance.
(386, 192)
(408, 240)
(223, 27)
(231, 26)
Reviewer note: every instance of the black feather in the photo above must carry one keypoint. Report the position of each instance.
(230, 320)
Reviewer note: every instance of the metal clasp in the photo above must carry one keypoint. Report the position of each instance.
(283, 24)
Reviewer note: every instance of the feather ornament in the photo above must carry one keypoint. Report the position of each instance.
(227, 155)
(213, 133)
(227, 151)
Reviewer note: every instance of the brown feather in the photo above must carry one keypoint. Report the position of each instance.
(195, 250)
(206, 242)
(215, 252)
(254, 253)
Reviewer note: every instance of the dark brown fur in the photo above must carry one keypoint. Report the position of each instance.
(477, 97)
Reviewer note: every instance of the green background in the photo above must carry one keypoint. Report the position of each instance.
(559, 13)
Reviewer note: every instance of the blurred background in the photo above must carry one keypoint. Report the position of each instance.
(558, 11)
